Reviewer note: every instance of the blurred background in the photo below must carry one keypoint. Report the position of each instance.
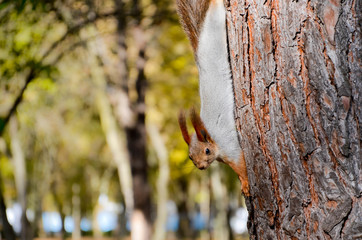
(89, 96)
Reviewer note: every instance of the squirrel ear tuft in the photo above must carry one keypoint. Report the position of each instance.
(183, 127)
(205, 135)
(201, 132)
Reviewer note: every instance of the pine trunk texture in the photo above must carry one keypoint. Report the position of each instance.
(297, 76)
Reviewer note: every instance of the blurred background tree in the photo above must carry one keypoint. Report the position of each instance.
(89, 94)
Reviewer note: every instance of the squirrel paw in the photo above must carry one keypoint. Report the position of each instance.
(245, 187)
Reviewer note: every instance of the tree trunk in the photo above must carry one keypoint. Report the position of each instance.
(220, 200)
(115, 135)
(205, 207)
(59, 205)
(76, 212)
(20, 177)
(136, 142)
(185, 230)
(7, 229)
(296, 69)
(159, 145)
(135, 128)
(136, 138)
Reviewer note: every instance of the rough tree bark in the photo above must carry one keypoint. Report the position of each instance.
(297, 73)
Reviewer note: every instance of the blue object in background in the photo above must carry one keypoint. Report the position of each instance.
(69, 224)
(239, 221)
(85, 225)
(172, 224)
(128, 225)
(198, 221)
(107, 221)
(173, 219)
(52, 222)
(107, 218)
(14, 216)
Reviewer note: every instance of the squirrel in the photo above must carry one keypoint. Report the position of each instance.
(215, 136)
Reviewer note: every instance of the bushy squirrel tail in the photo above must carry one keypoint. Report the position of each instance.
(192, 15)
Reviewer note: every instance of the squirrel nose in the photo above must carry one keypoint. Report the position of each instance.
(202, 166)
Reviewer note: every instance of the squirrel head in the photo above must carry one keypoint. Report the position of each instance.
(202, 148)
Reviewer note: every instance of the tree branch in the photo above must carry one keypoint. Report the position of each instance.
(3, 122)
(76, 28)
(33, 71)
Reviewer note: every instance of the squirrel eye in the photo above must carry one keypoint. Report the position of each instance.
(207, 151)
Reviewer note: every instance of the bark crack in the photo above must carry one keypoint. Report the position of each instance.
(344, 220)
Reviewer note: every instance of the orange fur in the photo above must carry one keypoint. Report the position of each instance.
(213, 2)
(183, 127)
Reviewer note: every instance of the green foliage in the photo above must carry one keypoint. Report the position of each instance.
(21, 4)
(21, 38)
